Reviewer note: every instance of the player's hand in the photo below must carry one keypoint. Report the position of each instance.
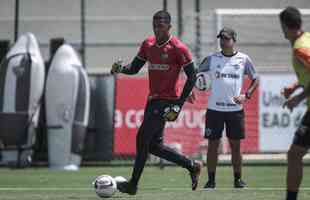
(287, 91)
(191, 98)
(171, 112)
(292, 102)
(116, 67)
(240, 99)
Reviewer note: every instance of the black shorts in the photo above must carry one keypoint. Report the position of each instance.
(153, 122)
(233, 122)
(302, 134)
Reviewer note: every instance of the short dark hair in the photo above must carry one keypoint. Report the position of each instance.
(229, 32)
(291, 17)
(163, 14)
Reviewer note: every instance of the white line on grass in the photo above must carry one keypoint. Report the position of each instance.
(43, 189)
(229, 189)
(144, 188)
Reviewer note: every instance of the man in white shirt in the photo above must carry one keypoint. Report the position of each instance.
(227, 70)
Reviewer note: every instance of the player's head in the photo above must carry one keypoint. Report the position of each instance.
(227, 37)
(291, 21)
(161, 23)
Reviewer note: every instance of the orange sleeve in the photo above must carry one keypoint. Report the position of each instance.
(303, 56)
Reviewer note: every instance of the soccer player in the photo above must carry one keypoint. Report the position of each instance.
(166, 56)
(227, 68)
(291, 23)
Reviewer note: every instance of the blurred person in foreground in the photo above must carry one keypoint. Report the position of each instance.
(227, 69)
(166, 56)
(291, 24)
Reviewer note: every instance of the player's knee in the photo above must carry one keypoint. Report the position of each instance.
(213, 145)
(154, 147)
(235, 149)
(290, 156)
(293, 155)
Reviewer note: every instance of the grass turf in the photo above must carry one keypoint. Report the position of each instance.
(172, 183)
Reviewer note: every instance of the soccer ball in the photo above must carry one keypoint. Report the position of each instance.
(203, 81)
(119, 179)
(105, 186)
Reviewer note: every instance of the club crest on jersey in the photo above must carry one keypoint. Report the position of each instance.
(218, 66)
(163, 56)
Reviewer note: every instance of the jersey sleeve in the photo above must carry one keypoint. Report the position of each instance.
(205, 64)
(184, 56)
(142, 51)
(303, 56)
(250, 69)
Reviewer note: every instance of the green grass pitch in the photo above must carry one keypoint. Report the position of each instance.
(172, 183)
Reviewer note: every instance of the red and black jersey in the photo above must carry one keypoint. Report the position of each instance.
(164, 65)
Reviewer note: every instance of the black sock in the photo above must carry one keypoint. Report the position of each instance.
(237, 175)
(291, 195)
(211, 176)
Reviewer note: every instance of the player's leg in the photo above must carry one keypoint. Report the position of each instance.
(212, 158)
(150, 125)
(141, 155)
(235, 130)
(300, 146)
(294, 170)
(157, 148)
(213, 132)
(142, 150)
(236, 160)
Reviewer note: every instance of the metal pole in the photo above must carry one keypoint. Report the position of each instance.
(16, 20)
(4, 48)
(180, 18)
(198, 31)
(165, 4)
(218, 26)
(82, 50)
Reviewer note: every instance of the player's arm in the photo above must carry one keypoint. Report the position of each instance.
(251, 72)
(303, 56)
(190, 72)
(134, 67)
(137, 63)
(253, 85)
(185, 59)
